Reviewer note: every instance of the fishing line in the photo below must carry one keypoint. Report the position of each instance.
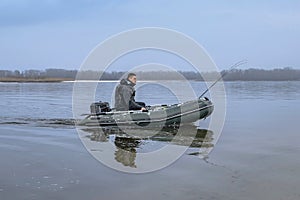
(242, 62)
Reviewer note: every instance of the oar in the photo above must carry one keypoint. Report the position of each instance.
(242, 62)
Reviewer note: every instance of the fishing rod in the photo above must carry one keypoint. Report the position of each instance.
(242, 62)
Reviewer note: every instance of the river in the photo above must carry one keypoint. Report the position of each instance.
(255, 157)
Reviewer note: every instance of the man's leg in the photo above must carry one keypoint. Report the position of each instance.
(141, 104)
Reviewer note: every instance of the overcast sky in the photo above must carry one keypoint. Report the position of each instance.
(39, 34)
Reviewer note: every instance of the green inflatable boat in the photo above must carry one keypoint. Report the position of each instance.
(157, 115)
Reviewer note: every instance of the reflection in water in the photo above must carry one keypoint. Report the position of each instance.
(128, 141)
(126, 150)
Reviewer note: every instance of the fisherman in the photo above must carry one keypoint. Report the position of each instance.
(125, 93)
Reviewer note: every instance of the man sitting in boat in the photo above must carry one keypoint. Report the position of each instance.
(125, 93)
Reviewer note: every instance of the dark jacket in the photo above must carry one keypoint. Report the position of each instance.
(124, 96)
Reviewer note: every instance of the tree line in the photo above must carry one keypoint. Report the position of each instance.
(281, 74)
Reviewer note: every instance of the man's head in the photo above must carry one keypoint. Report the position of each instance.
(132, 78)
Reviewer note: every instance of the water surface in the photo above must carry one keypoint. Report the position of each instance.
(256, 157)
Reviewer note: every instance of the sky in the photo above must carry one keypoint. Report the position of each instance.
(40, 34)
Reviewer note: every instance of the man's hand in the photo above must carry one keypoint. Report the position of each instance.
(142, 109)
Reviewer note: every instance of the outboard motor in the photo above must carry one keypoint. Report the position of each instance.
(99, 107)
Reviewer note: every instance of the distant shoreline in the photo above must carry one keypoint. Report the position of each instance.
(34, 80)
(61, 75)
(67, 80)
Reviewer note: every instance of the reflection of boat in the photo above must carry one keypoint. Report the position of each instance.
(162, 115)
(130, 141)
(187, 135)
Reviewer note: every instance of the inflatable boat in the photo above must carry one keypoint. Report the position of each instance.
(156, 115)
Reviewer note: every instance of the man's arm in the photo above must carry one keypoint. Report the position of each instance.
(130, 102)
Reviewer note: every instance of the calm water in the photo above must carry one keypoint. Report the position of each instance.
(256, 157)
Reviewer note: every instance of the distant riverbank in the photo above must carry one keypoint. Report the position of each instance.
(59, 80)
(59, 75)
(34, 80)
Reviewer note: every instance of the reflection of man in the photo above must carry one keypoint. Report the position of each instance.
(127, 158)
(126, 151)
(125, 93)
